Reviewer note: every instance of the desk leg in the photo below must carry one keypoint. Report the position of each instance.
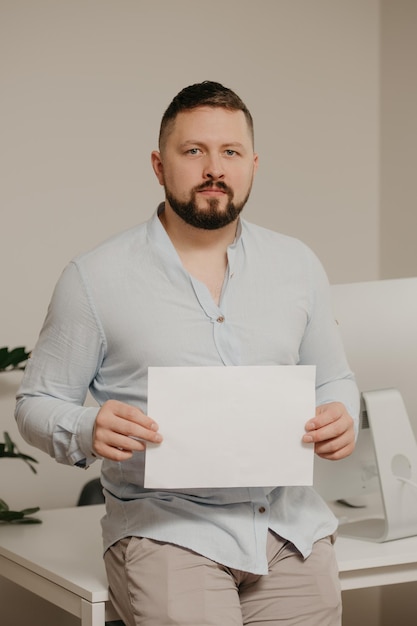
(93, 613)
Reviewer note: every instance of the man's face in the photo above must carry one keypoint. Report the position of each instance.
(207, 166)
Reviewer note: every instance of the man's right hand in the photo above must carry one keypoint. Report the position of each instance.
(121, 429)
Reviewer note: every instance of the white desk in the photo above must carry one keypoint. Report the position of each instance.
(370, 564)
(61, 561)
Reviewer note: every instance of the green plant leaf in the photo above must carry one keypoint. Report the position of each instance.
(13, 359)
(8, 516)
(9, 450)
(18, 517)
(30, 511)
(10, 446)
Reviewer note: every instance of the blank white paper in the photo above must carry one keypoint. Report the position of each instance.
(230, 426)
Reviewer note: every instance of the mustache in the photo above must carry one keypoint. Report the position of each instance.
(214, 185)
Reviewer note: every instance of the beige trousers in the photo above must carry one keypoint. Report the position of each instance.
(158, 584)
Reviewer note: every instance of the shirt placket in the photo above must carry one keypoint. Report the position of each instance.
(224, 336)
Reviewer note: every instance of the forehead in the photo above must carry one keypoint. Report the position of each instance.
(214, 124)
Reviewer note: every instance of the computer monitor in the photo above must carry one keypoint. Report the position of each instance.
(378, 324)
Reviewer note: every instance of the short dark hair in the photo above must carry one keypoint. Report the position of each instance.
(207, 93)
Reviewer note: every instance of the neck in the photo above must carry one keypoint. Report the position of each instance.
(203, 253)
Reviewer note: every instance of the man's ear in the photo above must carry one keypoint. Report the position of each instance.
(255, 163)
(158, 168)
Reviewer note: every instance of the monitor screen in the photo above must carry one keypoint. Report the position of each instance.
(378, 324)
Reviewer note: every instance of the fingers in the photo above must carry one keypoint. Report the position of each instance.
(121, 429)
(335, 449)
(331, 431)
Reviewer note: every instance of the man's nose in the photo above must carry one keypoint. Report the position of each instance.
(213, 167)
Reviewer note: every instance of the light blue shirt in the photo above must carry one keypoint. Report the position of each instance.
(130, 304)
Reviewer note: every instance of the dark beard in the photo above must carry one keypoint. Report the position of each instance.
(209, 218)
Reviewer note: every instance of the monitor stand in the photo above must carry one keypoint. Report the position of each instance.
(396, 457)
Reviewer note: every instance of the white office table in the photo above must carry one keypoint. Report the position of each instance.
(61, 561)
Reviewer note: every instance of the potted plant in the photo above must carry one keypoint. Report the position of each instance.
(15, 360)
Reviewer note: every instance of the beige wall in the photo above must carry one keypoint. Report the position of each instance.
(398, 241)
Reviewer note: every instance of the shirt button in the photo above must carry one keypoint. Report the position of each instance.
(262, 509)
(220, 319)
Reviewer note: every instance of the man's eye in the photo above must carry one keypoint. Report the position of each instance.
(193, 151)
(230, 152)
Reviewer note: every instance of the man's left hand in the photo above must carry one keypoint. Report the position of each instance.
(331, 431)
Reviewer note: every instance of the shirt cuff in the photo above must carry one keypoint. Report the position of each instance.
(83, 455)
